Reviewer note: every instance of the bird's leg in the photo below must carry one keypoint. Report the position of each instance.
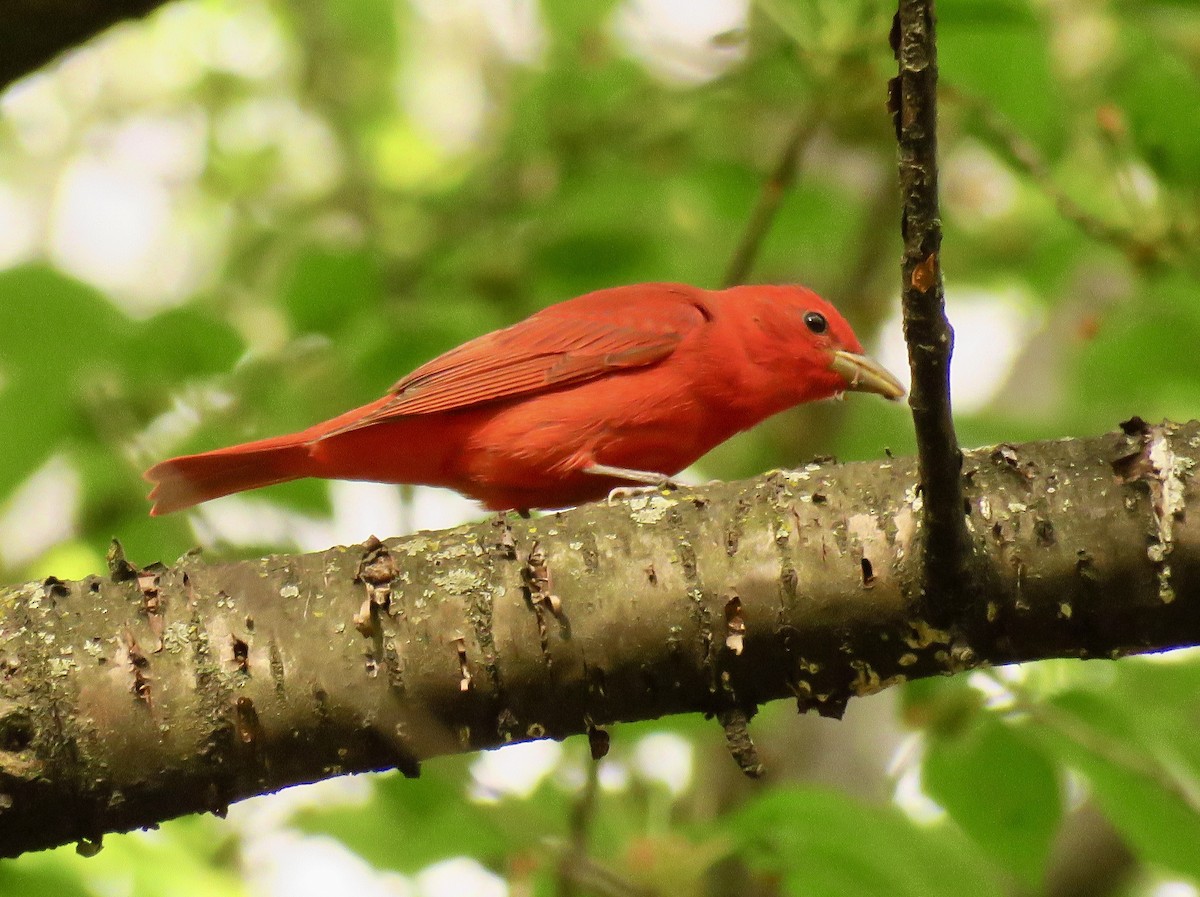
(651, 481)
(648, 477)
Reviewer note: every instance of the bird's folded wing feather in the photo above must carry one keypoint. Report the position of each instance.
(556, 347)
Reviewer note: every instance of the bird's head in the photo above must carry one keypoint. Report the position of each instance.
(801, 332)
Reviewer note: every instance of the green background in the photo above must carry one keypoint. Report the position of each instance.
(339, 238)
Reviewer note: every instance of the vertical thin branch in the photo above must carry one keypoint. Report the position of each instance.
(913, 101)
(583, 812)
(773, 190)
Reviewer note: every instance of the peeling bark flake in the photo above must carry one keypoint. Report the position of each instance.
(464, 682)
(598, 742)
(241, 654)
(90, 847)
(137, 659)
(278, 674)
(507, 724)
(1135, 426)
(506, 545)
(1157, 465)
(141, 687)
(687, 559)
(789, 581)
(377, 570)
(536, 576)
(924, 274)
(119, 569)
(55, 587)
(735, 625)
(1044, 530)
(736, 724)
(364, 621)
(249, 729)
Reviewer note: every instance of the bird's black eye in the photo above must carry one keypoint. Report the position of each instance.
(815, 321)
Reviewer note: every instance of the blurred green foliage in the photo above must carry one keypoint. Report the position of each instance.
(826, 844)
(355, 238)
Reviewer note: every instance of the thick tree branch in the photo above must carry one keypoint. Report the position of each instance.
(35, 31)
(947, 577)
(135, 697)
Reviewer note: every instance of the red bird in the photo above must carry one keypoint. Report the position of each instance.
(619, 386)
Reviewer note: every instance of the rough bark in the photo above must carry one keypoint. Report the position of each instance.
(35, 31)
(128, 699)
(949, 569)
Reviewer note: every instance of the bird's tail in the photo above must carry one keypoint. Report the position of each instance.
(190, 479)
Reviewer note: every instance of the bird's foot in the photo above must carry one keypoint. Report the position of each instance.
(624, 492)
(649, 480)
(501, 518)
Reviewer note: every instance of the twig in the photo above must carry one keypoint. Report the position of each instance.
(855, 292)
(1024, 156)
(583, 812)
(913, 100)
(594, 878)
(773, 190)
(577, 871)
(1175, 782)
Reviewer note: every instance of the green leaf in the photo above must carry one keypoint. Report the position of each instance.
(328, 288)
(178, 344)
(825, 844)
(1161, 322)
(412, 823)
(570, 20)
(1017, 80)
(1001, 789)
(50, 323)
(1161, 95)
(199, 851)
(1147, 789)
(1168, 722)
(797, 21)
(599, 257)
(367, 25)
(41, 874)
(944, 708)
(36, 418)
(190, 857)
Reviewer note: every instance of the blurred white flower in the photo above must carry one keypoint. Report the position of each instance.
(683, 40)
(666, 758)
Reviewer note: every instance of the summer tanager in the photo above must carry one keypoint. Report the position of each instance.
(619, 386)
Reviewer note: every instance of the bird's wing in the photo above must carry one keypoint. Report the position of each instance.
(564, 344)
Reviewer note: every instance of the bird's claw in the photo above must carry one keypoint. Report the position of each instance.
(623, 492)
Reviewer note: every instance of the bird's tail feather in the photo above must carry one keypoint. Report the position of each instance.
(190, 479)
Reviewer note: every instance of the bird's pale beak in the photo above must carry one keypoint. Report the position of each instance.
(863, 374)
